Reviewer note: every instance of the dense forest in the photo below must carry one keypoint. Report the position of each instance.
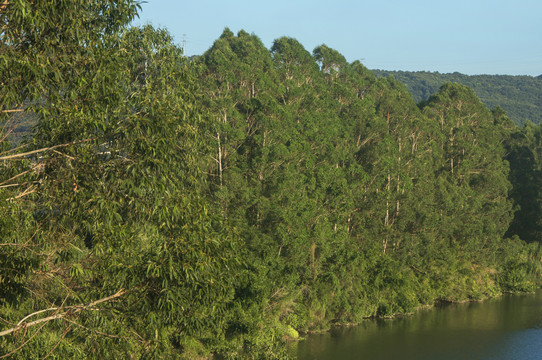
(519, 96)
(221, 207)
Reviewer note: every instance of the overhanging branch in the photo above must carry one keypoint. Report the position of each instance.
(60, 312)
(15, 156)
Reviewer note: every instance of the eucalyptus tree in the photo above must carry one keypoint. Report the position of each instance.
(330, 60)
(473, 166)
(519, 257)
(472, 189)
(116, 202)
(238, 80)
(46, 44)
(390, 146)
(523, 153)
(169, 208)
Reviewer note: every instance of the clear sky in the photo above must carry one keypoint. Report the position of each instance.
(468, 36)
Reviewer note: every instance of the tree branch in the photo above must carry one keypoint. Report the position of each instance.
(27, 191)
(23, 344)
(16, 176)
(61, 312)
(9, 157)
(59, 341)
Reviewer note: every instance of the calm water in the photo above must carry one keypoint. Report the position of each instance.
(506, 328)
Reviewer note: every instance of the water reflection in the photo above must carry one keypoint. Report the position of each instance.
(506, 328)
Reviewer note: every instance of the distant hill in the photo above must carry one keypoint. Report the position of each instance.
(519, 96)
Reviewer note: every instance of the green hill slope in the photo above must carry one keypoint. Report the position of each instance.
(519, 96)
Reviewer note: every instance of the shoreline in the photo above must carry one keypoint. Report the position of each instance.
(438, 303)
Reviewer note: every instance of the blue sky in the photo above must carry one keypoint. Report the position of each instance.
(468, 36)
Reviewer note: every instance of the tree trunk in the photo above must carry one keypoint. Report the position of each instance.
(312, 259)
(219, 158)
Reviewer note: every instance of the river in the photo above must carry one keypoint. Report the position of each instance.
(509, 327)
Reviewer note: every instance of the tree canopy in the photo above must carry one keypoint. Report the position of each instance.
(172, 208)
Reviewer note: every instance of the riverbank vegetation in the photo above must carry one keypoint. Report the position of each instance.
(167, 208)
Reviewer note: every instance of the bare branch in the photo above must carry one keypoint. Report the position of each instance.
(9, 157)
(6, 134)
(60, 313)
(32, 323)
(14, 149)
(18, 184)
(68, 156)
(10, 185)
(23, 344)
(16, 176)
(28, 191)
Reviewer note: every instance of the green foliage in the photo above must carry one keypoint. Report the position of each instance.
(120, 206)
(167, 208)
(524, 155)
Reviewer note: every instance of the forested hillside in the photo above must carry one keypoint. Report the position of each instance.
(519, 96)
(217, 208)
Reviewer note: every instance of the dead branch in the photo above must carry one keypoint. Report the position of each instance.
(14, 149)
(6, 134)
(9, 157)
(16, 176)
(17, 184)
(27, 191)
(62, 154)
(23, 344)
(60, 312)
(10, 185)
